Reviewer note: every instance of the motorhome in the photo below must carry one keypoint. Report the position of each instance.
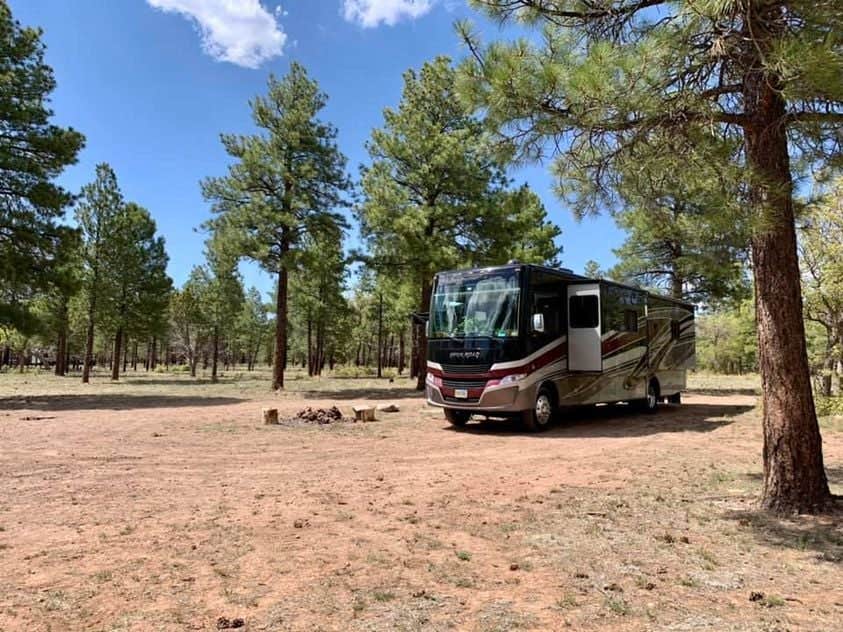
(530, 341)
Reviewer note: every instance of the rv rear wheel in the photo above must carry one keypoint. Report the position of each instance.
(543, 412)
(676, 398)
(457, 417)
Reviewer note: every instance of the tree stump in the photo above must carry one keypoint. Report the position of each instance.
(364, 413)
(270, 415)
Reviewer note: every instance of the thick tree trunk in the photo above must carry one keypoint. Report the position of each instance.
(422, 337)
(61, 352)
(280, 359)
(118, 352)
(794, 477)
(215, 354)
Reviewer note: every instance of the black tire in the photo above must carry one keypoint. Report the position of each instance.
(650, 404)
(676, 398)
(543, 413)
(457, 418)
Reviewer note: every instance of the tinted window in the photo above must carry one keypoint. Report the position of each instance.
(630, 320)
(584, 311)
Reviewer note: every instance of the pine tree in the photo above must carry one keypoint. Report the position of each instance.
(33, 152)
(98, 216)
(138, 295)
(609, 78)
(285, 185)
(436, 193)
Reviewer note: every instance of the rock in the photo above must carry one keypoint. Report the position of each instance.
(270, 415)
(388, 408)
(756, 596)
(224, 623)
(514, 567)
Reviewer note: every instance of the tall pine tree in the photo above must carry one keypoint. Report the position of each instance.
(436, 193)
(285, 184)
(33, 151)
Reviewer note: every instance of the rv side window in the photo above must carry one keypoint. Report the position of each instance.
(584, 312)
(630, 318)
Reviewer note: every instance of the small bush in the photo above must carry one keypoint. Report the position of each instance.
(829, 406)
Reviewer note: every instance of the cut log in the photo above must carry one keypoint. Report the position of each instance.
(270, 415)
(364, 413)
(388, 408)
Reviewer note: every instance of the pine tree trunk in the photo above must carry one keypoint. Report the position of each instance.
(215, 354)
(309, 347)
(422, 337)
(135, 356)
(60, 352)
(401, 352)
(118, 352)
(794, 477)
(125, 353)
(280, 359)
(89, 340)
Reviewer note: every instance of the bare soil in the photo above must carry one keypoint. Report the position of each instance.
(171, 506)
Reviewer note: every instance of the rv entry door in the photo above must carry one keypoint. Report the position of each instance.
(584, 338)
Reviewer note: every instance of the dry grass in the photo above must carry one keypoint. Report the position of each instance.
(164, 503)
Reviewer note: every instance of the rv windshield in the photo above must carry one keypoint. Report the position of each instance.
(467, 304)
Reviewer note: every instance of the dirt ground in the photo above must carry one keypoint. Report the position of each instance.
(165, 504)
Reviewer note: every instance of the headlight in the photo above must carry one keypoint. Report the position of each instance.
(512, 379)
(433, 380)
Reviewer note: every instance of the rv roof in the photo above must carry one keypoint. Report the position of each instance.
(567, 273)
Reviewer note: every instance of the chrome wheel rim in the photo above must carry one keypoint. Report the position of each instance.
(651, 397)
(543, 410)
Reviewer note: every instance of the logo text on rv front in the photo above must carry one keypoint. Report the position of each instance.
(464, 355)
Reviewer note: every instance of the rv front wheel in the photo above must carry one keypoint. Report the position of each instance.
(651, 402)
(457, 417)
(541, 417)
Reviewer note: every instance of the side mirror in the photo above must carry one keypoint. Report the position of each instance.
(538, 323)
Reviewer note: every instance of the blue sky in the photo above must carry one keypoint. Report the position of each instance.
(152, 83)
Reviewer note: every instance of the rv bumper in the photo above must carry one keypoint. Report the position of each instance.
(498, 399)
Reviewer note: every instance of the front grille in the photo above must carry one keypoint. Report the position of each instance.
(463, 369)
(464, 383)
(454, 400)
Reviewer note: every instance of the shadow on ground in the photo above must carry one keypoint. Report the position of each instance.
(724, 391)
(621, 421)
(821, 534)
(361, 393)
(110, 402)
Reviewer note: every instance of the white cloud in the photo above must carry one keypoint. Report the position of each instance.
(370, 13)
(242, 32)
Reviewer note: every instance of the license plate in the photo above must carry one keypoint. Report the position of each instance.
(461, 393)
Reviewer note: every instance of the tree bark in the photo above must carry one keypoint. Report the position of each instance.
(401, 352)
(422, 336)
(280, 326)
(117, 354)
(215, 354)
(89, 339)
(794, 477)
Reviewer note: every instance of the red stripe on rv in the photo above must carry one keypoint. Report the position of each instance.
(528, 367)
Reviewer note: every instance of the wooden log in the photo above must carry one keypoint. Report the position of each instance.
(270, 415)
